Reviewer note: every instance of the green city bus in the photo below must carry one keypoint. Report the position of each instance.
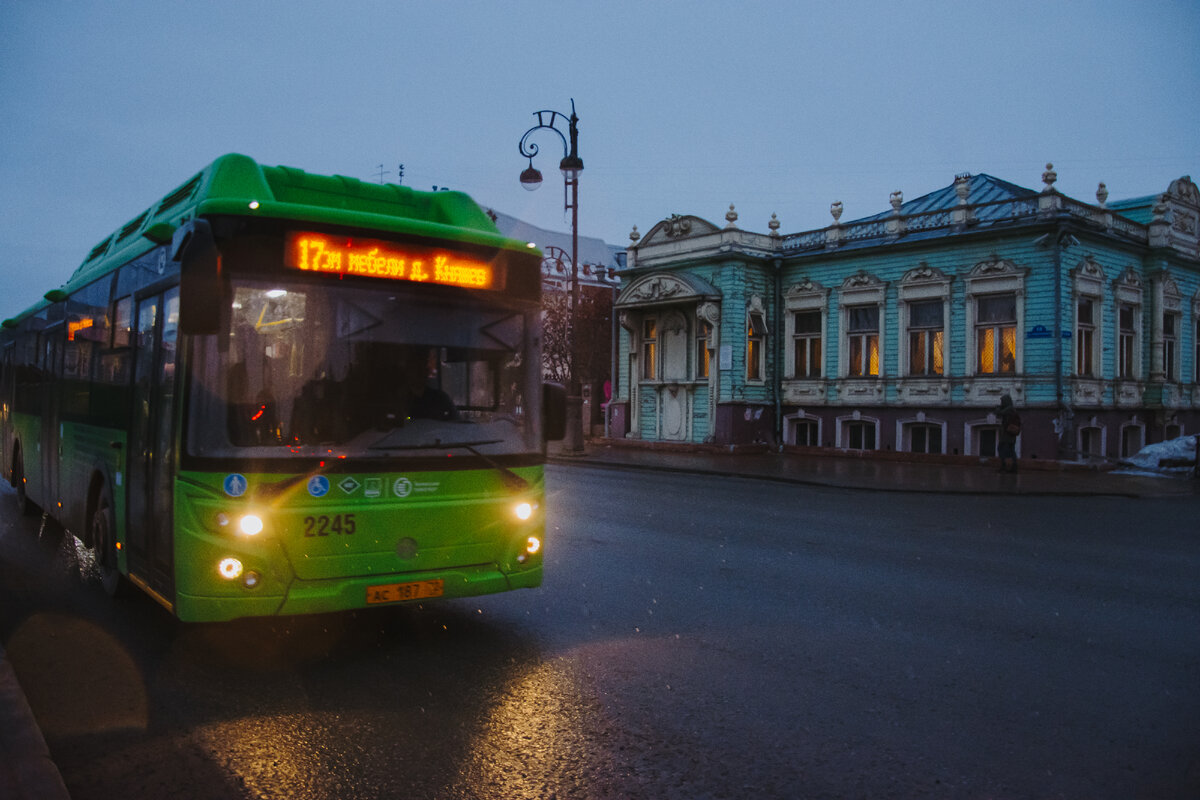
(275, 392)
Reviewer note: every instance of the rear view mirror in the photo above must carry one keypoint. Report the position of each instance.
(554, 411)
(195, 248)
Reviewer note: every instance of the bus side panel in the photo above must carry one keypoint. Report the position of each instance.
(27, 429)
(89, 451)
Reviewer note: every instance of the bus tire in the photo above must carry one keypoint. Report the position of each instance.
(104, 545)
(25, 506)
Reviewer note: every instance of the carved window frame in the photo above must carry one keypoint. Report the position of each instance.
(845, 425)
(858, 291)
(905, 427)
(920, 285)
(757, 341)
(1087, 284)
(793, 421)
(803, 298)
(1127, 291)
(990, 279)
(648, 369)
(1172, 349)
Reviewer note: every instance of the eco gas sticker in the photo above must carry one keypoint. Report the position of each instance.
(403, 487)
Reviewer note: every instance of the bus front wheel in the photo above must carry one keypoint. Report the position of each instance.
(104, 546)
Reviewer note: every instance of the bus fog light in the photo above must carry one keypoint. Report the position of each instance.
(251, 524)
(532, 545)
(523, 511)
(230, 568)
(251, 579)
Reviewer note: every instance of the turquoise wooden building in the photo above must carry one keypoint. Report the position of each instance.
(903, 330)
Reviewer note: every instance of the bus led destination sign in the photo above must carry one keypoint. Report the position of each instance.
(371, 258)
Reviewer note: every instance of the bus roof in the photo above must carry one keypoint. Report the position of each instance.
(237, 185)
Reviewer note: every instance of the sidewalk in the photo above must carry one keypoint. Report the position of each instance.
(26, 769)
(876, 472)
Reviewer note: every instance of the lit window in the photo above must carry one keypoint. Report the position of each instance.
(756, 334)
(703, 331)
(926, 334)
(996, 334)
(649, 349)
(862, 327)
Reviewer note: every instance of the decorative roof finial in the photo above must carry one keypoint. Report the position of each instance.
(731, 216)
(897, 200)
(835, 209)
(1049, 177)
(634, 235)
(1102, 194)
(962, 187)
(774, 225)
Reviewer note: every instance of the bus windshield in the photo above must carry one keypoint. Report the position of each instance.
(320, 370)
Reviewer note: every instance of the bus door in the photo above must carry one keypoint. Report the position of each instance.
(151, 460)
(50, 445)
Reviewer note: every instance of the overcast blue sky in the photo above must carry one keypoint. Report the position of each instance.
(684, 107)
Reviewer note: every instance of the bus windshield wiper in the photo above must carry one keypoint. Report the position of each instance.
(511, 479)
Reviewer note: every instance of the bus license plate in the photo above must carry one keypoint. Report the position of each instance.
(395, 592)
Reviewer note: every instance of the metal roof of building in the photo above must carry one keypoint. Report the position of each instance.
(982, 189)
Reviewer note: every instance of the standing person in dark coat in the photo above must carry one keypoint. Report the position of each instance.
(1010, 429)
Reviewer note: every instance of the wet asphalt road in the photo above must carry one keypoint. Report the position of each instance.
(697, 637)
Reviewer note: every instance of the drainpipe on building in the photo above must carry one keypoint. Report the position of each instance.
(1058, 340)
(777, 353)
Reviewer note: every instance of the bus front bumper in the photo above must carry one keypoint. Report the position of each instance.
(345, 594)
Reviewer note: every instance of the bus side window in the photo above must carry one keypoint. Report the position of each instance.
(122, 322)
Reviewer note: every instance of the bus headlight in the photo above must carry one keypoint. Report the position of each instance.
(230, 568)
(251, 524)
(532, 546)
(523, 511)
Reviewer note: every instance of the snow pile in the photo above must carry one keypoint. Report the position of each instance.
(1164, 458)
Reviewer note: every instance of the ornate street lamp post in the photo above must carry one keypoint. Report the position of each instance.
(571, 165)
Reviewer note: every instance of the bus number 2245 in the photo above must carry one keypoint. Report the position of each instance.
(325, 525)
